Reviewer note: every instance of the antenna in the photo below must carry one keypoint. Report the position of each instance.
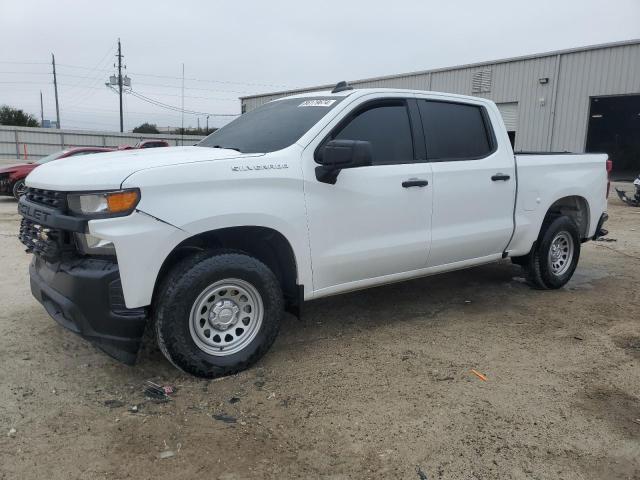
(341, 87)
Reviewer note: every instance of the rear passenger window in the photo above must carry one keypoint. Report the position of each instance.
(388, 130)
(454, 131)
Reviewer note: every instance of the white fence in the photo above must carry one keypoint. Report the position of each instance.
(30, 144)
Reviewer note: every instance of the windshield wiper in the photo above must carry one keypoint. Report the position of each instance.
(227, 148)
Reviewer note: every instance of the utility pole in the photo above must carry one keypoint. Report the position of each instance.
(120, 84)
(198, 123)
(182, 129)
(207, 132)
(41, 110)
(55, 87)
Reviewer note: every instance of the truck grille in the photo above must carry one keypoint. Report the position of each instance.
(40, 240)
(49, 198)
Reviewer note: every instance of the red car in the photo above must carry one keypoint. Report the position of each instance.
(12, 177)
(145, 144)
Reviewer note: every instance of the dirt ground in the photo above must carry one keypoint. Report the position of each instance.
(374, 384)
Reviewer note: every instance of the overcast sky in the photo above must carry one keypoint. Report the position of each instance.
(237, 48)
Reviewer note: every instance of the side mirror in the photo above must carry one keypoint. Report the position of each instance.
(336, 155)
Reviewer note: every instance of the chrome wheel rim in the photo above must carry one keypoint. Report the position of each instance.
(226, 317)
(560, 253)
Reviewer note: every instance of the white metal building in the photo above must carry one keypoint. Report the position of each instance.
(582, 99)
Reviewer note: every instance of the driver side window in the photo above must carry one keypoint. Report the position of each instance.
(387, 128)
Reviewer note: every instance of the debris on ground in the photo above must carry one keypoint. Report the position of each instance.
(223, 417)
(637, 420)
(606, 239)
(444, 379)
(167, 454)
(233, 400)
(577, 337)
(421, 474)
(479, 375)
(158, 392)
(134, 409)
(271, 395)
(259, 383)
(12, 432)
(114, 403)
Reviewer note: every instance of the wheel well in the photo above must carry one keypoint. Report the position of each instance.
(574, 207)
(267, 245)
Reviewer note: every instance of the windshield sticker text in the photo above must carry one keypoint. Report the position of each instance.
(317, 103)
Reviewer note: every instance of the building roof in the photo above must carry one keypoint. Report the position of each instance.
(457, 67)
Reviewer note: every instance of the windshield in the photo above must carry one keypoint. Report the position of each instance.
(53, 156)
(272, 126)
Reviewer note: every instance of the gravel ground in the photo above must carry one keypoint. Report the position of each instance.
(374, 384)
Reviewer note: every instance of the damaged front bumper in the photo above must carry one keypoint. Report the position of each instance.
(629, 201)
(85, 296)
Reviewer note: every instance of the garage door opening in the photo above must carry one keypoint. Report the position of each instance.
(509, 112)
(614, 128)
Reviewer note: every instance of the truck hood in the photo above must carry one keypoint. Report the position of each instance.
(105, 171)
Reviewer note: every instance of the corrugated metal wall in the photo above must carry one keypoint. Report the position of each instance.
(552, 115)
(39, 142)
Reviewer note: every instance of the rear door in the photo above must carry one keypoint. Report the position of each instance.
(375, 220)
(474, 181)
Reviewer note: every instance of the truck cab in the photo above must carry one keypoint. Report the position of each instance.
(304, 197)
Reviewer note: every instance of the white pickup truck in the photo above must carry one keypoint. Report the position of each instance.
(304, 197)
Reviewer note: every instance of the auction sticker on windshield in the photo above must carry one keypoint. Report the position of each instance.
(317, 103)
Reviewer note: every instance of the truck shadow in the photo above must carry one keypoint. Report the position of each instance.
(425, 298)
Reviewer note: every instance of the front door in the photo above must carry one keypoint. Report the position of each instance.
(375, 220)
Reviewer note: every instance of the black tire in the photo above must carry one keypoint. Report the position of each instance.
(178, 293)
(539, 273)
(18, 187)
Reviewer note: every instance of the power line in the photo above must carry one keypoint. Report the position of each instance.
(178, 109)
(212, 81)
(24, 63)
(189, 79)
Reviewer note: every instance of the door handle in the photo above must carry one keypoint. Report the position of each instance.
(500, 176)
(414, 182)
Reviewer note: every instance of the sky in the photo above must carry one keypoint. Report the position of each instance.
(235, 48)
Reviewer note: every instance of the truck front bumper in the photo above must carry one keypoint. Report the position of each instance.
(85, 296)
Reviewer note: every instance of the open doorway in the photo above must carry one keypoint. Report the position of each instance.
(614, 128)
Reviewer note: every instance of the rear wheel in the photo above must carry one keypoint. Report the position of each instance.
(218, 313)
(19, 188)
(554, 257)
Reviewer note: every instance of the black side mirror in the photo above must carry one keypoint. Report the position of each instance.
(338, 154)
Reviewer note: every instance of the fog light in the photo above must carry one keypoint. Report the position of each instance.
(90, 245)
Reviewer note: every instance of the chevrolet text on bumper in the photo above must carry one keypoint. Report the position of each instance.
(304, 197)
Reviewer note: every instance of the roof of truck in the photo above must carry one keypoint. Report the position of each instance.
(366, 91)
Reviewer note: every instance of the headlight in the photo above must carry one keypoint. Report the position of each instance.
(90, 245)
(104, 204)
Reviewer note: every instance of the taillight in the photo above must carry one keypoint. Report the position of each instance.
(609, 168)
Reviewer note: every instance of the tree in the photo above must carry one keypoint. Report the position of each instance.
(16, 117)
(146, 128)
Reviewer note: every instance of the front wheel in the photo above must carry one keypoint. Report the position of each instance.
(217, 313)
(18, 189)
(555, 255)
